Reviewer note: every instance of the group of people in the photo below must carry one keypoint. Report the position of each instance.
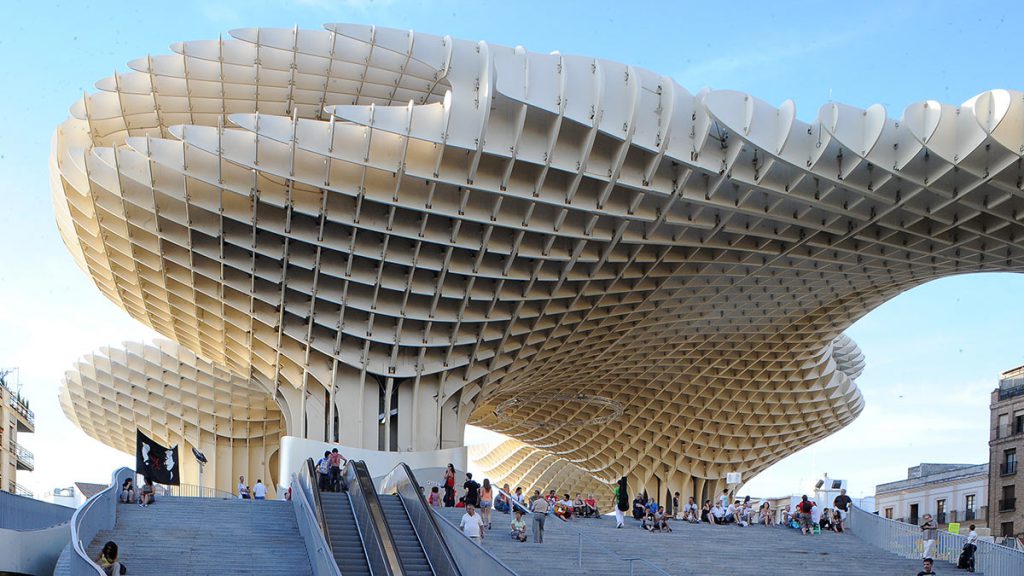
(258, 492)
(146, 495)
(328, 471)
(480, 499)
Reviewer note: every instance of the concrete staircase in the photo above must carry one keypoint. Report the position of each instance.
(196, 536)
(689, 549)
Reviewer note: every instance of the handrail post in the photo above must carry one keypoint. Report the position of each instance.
(579, 551)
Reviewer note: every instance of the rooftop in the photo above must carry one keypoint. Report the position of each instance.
(930, 473)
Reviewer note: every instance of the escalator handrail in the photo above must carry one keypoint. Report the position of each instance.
(311, 476)
(432, 531)
(386, 560)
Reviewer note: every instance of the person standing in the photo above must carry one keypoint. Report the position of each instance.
(928, 531)
(842, 505)
(435, 498)
(539, 507)
(336, 461)
(486, 501)
(472, 495)
(621, 501)
(243, 489)
(472, 525)
(804, 508)
(323, 471)
(674, 511)
(259, 491)
(449, 486)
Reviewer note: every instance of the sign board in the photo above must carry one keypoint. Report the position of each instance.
(734, 478)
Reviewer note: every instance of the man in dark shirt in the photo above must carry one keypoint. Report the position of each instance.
(842, 504)
(472, 490)
(927, 568)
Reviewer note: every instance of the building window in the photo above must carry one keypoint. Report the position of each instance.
(1018, 423)
(913, 514)
(1009, 465)
(1008, 503)
(1003, 426)
(969, 507)
(940, 511)
(1006, 529)
(888, 513)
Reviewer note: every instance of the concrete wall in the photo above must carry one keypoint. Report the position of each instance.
(32, 551)
(427, 465)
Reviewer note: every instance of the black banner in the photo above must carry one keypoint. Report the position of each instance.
(156, 462)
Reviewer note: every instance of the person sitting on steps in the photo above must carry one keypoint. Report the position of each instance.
(519, 527)
(108, 560)
(128, 491)
(661, 520)
(146, 496)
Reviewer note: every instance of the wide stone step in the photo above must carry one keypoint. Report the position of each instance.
(688, 549)
(196, 536)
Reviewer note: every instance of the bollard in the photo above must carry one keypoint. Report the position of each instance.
(579, 551)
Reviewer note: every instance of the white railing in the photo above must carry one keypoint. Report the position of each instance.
(98, 513)
(905, 540)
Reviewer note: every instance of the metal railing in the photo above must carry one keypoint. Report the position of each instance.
(1007, 430)
(191, 491)
(1007, 504)
(20, 490)
(1008, 468)
(309, 515)
(22, 409)
(402, 482)
(905, 540)
(98, 513)
(588, 543)
(24, 456)
(515, 504)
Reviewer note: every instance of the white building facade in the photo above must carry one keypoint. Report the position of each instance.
(949, 492)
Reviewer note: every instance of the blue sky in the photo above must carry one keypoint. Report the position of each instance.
(933, 354)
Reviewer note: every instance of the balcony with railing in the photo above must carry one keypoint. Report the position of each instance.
(1007, 431)
(965, 515)
(15, 488)
(1007, 504)
(1008, 468)
(27, 418)
(26, 459)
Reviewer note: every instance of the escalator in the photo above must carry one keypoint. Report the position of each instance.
(410, 549)
(343, 534)
(389, 534)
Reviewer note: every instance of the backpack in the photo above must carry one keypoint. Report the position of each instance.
(323, 466)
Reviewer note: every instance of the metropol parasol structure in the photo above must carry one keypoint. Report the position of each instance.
(378, 236)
